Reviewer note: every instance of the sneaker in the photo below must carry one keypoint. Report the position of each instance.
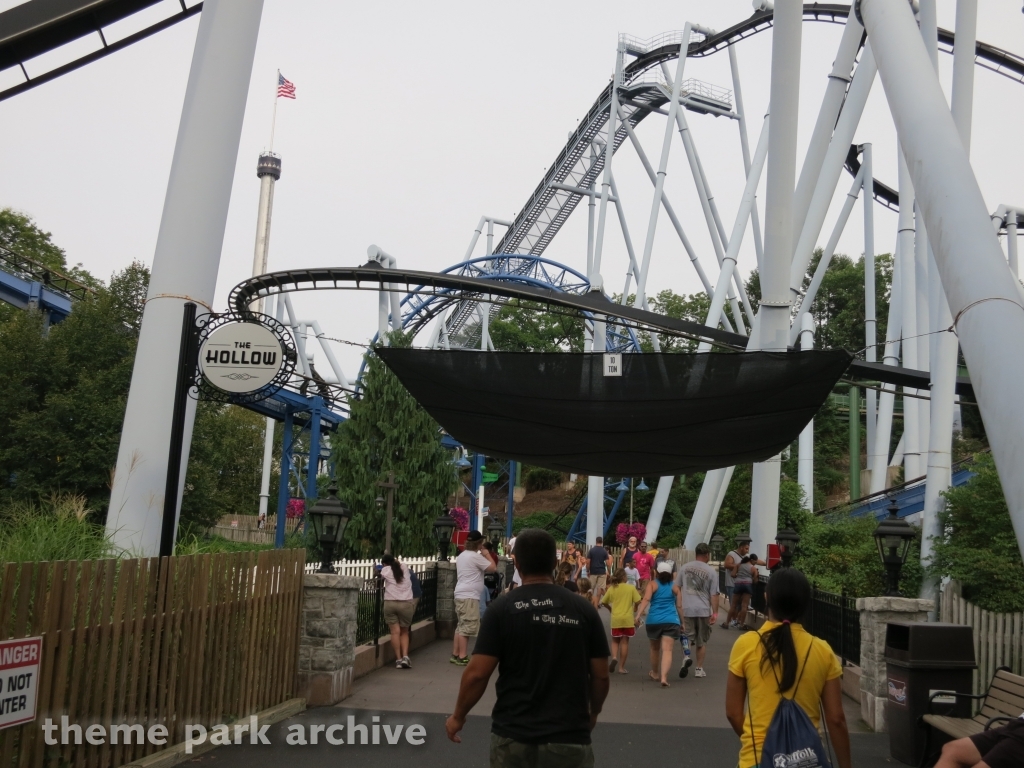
(461, 662)
(684, 670)
(399, 665)
(612, 665)
(454, 659)
(406, 664)
(699, 672)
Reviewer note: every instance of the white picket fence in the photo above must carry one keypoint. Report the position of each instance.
(364, 569)
(998, 637)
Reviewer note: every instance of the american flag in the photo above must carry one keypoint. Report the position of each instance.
(285, 87)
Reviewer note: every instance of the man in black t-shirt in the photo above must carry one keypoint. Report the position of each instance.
(599, 562)
(551, 652)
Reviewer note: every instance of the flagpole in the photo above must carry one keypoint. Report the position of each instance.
(273, 121)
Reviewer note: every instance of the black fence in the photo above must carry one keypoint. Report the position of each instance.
(370, 626)
(835, 619)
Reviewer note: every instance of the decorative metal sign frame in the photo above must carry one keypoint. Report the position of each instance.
(207, 324)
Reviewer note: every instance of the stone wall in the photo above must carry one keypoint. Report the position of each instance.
(875, 613)
(328, 638)
(444, 619)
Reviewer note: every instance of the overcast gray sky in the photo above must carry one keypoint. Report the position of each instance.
(414, 119)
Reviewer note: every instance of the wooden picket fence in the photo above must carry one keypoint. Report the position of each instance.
(246, 528)
(202, 639)
(998, 637)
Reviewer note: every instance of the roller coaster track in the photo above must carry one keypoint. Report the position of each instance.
(580, 162)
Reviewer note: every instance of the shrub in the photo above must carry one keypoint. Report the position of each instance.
(540, 479)
(536, 520)
(624, 530)
(978, 546)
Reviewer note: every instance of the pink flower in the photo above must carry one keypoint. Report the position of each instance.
(296, 508)
(461, 518)
(623, 531)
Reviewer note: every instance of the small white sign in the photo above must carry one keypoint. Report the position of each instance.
(240, 357)
(19, 680)
(612, 364)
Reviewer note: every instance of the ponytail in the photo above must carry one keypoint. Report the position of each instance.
(788, 595)
(396, 567)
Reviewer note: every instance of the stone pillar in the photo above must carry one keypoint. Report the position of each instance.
(328, 640)
(444, 618)
(875, 613)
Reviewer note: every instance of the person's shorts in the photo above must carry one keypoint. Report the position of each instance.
(623, 631)
(728, 592)
(654, 631)
(743, 589)
(698, 629)
(468, 612)
(642, 586)
(1002, 747)
(509, 753)
(598, 581)
(399, 612)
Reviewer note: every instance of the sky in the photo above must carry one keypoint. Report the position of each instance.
(414, 119)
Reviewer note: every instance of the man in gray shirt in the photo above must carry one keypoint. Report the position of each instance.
(698, 587)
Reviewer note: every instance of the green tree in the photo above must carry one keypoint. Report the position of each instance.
(224, 468)
(19, 233)
(60, 427)
(978, 547)
(388, 431)
(529, 327)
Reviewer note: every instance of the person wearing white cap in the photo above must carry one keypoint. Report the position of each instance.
(662, 601)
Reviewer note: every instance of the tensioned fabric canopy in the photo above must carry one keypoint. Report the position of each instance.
(667, 414)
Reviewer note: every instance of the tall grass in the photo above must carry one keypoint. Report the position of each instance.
(55, 528)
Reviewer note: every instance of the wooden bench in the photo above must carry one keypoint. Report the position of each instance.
(1003, 702)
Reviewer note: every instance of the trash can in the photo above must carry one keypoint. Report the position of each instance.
(920, 659)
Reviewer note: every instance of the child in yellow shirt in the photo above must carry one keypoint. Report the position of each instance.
(621, 599)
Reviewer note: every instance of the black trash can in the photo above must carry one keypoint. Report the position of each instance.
(920, 659)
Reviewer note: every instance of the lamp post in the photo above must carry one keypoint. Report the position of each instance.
(893, 537)
(390, 485)
(716, 546)
(330, 517)
(787, 539)
(494, 533)
(444, 527)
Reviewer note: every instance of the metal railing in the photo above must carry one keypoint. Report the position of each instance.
(370, 626)
(835, 619)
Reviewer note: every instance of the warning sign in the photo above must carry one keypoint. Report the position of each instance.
(19, 680)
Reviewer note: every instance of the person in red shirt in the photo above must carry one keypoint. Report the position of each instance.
(643, 561)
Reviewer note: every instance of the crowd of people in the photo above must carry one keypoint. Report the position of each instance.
(545, 637)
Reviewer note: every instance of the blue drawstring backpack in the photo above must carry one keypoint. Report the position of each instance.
(791, 740)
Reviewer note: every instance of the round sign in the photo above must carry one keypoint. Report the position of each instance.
(239, 357)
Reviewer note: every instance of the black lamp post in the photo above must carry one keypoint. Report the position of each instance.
(444, 527)
(893, 537)
(742, 538)
(330, 517)
(716, 547)
(787, 539)
(494, 532)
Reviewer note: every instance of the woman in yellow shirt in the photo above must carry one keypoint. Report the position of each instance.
(621, 599)
(783, 658)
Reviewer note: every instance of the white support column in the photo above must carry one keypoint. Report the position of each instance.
(1011, 243)
(832, 167)
(772, 333)
(723, 488)
(878, 459)
(606, 184)
(658, 507)
(983, 296)
(595, 509)
(945, 345)
(908, 289)
(755, 220)
(185, 266)
(826, 255)
(835, 94)
(870, 323)
(659, 184)
(268, 451)
(805, 462)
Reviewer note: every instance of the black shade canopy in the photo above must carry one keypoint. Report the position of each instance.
(666, 414)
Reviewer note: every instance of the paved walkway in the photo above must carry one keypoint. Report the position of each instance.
(641, 724)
